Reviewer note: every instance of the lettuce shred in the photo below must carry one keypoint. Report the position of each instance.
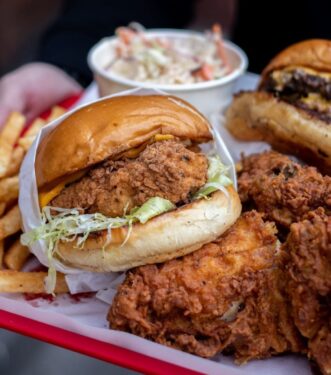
(60, 224)
(217, 179)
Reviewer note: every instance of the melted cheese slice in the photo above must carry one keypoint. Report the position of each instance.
(46, 196)
(284, 75)
(317, 102)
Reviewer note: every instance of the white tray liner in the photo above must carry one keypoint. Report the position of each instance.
(88, 317)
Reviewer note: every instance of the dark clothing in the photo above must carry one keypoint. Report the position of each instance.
(262, 28)
(83, 23)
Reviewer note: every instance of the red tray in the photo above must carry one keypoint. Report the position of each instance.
(82, 344)
(85, 345)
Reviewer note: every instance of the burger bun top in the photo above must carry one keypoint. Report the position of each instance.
(313, 53)
(108, 127)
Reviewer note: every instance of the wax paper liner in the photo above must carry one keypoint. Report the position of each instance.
(78, 280)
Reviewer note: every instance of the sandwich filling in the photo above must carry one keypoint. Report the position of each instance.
(303, 87)
(165, 169)
(164, 175)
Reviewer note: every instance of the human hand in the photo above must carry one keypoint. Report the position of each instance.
(34, 88)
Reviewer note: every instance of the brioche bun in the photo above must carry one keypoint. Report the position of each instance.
(260, 116)
(108, 127)
(313, 53)
(104, 130)
(165, 237)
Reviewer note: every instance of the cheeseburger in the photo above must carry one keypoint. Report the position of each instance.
(292, 107)
(123, 182)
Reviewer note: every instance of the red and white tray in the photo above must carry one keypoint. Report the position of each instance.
(57, 322)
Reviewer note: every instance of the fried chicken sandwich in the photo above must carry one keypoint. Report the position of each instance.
(122, 182)
(292, 107)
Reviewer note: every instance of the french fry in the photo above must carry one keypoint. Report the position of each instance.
(56, 112)
(35, 127)
(10, 223)
(28, 282)
(15, 161)
(8, 189)
(16, 256)
(2, 252)
(26, 142)
(8, 138)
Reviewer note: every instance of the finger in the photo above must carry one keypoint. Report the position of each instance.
(4, 113)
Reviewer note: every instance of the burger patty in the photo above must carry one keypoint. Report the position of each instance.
(304, 90)
(165, 169)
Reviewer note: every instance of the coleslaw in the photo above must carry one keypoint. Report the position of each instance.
(169, 60)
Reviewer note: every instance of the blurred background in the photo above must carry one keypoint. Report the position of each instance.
(61, 33)
(20, 355)
(34, 29)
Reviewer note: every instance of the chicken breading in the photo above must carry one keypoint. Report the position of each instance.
(309, 287)
(164, 169)
(282, 189)
(226, 296)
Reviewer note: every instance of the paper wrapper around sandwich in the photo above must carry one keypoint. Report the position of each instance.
(78, 280)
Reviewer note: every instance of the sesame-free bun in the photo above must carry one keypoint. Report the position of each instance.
(164, 237)
(260, 116)
(108, 127)
(313, 53)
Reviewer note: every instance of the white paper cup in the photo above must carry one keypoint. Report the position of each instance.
(207, 96)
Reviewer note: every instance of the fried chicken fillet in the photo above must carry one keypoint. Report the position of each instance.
(225, 297)
(309, 287)
(165, 169)
(281, 188)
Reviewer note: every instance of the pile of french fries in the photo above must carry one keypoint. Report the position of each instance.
(13, 255)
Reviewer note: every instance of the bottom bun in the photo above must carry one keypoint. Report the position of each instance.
(255, 116)
(170, 235)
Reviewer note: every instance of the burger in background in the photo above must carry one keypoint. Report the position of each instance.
(292, 107)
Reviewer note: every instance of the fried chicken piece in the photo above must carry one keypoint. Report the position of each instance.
(309, 287)
(164, 169)
(282, 189)
(227, 297)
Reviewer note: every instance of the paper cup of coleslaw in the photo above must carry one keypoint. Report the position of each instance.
(209, 96)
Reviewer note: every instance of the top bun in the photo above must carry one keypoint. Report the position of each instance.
(312, 53)
(108, 127)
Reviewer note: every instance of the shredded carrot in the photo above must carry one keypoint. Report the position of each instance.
(206, 72)
(218, 35)
(125, 34)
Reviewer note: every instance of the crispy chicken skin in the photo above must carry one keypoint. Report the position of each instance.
(309, 287)
(282, 189)
(227, 297)
(164, 169)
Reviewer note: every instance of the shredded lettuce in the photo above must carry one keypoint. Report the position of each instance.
(59, 224)
(153, 207)
(217, 178)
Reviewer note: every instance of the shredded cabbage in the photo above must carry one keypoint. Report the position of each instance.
(217, 178)
(70, 224)
(60, 224)
(168, 60)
